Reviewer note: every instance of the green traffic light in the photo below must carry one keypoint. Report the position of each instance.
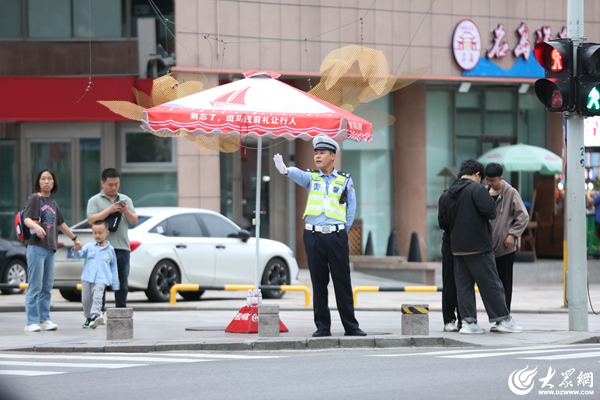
(593, 100)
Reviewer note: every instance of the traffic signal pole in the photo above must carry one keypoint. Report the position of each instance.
(575, 192)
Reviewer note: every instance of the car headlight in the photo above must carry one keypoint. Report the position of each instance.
(291, 252)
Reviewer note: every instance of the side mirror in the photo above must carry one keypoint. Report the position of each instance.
(244, 235)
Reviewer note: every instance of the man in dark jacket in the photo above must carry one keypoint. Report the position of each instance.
(467, 210)
(450, 311)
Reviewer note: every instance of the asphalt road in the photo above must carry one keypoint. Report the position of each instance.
(465, 373)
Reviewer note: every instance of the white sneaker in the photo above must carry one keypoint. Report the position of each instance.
(48, 326)
(451, 327)
(96, 321)
(471, 329)
(508, 326)
(32, 328)
(494, 328)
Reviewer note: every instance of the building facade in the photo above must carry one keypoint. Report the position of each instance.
(478, 94)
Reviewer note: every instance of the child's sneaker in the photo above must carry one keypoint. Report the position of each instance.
(96, 321)
(86, 324)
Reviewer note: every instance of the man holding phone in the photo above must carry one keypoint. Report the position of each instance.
(117, 209)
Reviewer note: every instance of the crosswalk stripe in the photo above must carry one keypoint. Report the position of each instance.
(451, 352)
(29, 373)
(564, 356)
(509, 353)
(71, 365)
(103, 357)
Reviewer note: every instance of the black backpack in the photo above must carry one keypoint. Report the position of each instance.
(23, 231)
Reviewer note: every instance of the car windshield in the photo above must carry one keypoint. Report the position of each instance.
(85, 224)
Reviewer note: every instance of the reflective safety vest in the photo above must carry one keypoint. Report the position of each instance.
(319, 202)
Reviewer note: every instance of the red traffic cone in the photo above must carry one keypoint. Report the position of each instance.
(246, 321)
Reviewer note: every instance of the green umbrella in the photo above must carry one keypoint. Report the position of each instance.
(524, 158)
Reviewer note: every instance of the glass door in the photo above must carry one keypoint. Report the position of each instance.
(9, 150)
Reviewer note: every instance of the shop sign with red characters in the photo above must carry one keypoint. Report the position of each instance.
(469, 53)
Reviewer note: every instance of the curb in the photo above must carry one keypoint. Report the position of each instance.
(67, 308)
(275, 344)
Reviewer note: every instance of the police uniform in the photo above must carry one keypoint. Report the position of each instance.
(326, 239)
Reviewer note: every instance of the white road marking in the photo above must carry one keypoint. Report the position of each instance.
(71, 365)
(451, 352)
(29, 373)
(223, 356)
(565, 356)
(510, 353)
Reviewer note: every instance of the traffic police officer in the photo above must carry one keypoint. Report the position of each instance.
(329, 215)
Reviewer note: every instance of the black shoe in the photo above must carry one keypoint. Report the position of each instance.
(321, 333)
(357, 332)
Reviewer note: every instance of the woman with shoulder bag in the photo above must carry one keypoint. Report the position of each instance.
(41, 247)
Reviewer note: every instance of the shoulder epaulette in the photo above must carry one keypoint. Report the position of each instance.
(347, 175)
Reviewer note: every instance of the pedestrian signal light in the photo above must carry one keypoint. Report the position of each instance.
(588, 79)
(557, 90)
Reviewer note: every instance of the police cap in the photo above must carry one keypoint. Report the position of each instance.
(325, 143)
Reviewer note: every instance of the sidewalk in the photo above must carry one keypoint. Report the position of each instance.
(200, 325)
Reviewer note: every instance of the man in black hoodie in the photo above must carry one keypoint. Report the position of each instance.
(465, 213)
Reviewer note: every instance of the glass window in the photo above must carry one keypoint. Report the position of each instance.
(143, 9)
(219, 226)
(500, 114)
(370, 165)
(440, 154)
(10, 19)
(107, 18)
(57, 157)
(9, 150)
(150, 189)
(49, 19)
(185, 225)
(89, 172)
(161, 228)
(144, 149)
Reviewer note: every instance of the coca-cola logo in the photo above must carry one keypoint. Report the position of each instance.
(255, 318)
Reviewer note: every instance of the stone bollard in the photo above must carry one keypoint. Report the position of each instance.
(268, 320)
(415, 319)
(120, 323)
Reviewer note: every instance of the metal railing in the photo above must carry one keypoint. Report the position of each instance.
(284, 288)
(396, 289)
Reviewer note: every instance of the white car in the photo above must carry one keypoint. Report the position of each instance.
(186, 245)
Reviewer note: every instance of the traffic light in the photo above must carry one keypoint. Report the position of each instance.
(557, 90)
(588, 79)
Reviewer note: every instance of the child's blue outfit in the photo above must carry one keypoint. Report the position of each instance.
(99, 271)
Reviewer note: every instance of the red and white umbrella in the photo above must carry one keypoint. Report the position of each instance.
(258, 106)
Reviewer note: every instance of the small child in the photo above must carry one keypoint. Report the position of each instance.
(99, 270)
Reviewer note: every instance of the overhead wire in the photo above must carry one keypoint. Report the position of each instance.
(89, 86)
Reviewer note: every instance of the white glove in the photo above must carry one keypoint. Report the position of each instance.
(280, 165)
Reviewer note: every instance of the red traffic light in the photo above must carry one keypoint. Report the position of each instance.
(554, 55)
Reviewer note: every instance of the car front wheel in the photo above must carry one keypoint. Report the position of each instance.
(71, 295)
(164, 275)
(276, 273)
(15, 274)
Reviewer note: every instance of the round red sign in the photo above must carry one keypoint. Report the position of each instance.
(466, 44)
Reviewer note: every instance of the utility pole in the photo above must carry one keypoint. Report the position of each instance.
(575, 198)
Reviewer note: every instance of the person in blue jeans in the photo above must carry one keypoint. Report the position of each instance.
(41, 247)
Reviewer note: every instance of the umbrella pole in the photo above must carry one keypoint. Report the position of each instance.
(256, 221)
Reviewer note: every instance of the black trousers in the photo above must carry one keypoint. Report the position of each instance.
(329, 252)
(123, 257)
(504, 265)
(449, 296)
(479, 268)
